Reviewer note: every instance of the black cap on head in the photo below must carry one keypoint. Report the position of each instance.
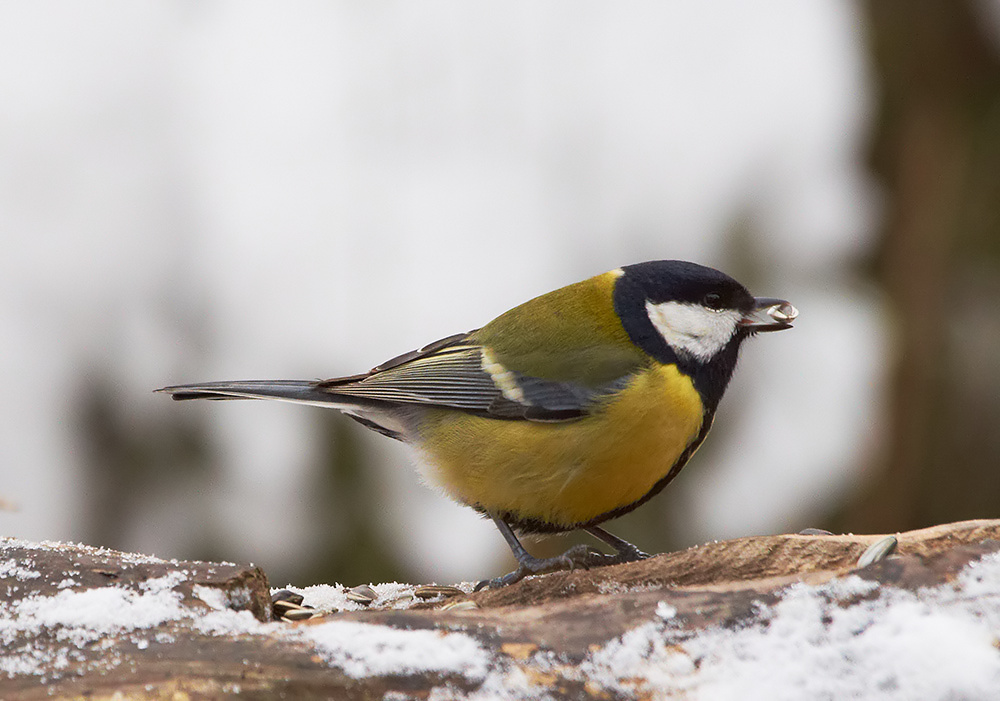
(681, 281)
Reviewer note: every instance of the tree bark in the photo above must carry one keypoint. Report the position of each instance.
(539, 631)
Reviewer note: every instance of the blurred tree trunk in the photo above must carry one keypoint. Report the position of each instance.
(936, 149)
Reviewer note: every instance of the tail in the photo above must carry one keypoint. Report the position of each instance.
(298, 391)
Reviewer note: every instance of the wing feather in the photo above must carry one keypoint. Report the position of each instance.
(451, 373)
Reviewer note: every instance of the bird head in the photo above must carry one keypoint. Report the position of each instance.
(694, 316)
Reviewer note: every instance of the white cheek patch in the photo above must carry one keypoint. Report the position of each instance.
(692, 329)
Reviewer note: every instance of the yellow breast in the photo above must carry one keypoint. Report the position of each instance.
(565, 474)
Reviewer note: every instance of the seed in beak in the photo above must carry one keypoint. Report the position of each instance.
(783, 312)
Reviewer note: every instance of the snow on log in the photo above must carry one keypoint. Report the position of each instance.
(775, 617)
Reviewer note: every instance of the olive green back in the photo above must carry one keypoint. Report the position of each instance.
(580, 321)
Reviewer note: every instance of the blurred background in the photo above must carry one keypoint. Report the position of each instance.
(226, 190)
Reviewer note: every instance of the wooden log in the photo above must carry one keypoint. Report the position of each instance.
(77, 621)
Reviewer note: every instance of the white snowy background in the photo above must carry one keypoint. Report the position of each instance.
(225, 190)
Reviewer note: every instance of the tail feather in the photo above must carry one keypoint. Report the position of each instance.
(298, 391)
(376, 414)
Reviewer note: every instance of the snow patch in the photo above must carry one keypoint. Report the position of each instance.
(80, 619)
(328, 598)
(15, 569)
(105, 618)
(364, 650)
(665, 610)
(848, 638)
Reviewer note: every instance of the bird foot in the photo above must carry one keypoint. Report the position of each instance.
(577, 557)
(627, 554)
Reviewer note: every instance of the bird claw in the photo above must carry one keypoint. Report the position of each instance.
(578, 557)
(630, 554)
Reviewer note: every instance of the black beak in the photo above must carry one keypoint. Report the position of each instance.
(769, 315)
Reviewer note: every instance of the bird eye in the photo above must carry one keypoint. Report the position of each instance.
(713, 300)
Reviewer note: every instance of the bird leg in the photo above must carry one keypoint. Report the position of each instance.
(582, 556)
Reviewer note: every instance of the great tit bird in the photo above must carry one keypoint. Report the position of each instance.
(569, 410)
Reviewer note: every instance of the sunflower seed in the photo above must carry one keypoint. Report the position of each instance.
(878, 551)
(361, 594)
(465, 605)
(286, 595)
(299, 614)
(429, 591)
(286, 610)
